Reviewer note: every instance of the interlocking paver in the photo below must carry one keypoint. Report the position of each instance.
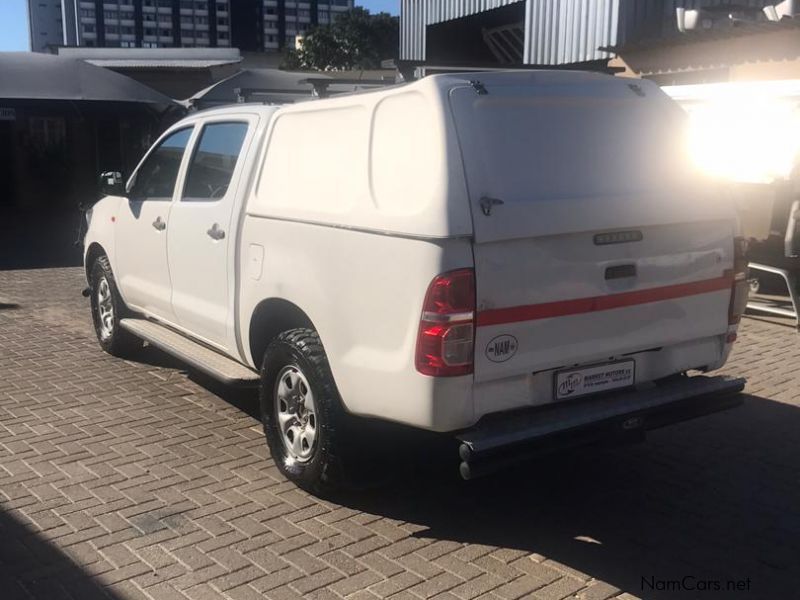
(131, 480)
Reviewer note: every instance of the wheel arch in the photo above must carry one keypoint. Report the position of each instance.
(93, 252)
(271, 317)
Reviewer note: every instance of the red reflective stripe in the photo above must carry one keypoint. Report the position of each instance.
(563, 308)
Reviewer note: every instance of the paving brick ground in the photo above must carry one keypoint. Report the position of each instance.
(130, 480)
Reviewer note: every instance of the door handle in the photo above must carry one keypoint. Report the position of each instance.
(215, 233)
(621, 271)
(160, 224)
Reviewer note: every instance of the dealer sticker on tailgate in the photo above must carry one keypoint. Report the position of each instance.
(591, 380)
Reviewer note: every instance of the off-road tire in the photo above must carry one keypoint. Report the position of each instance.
(324, 471)
(118, 342)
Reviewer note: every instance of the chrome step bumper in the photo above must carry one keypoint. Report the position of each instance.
(503, 439)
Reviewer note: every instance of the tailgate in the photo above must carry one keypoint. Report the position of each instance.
(591, 243)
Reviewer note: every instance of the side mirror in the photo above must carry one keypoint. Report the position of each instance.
(112, 184)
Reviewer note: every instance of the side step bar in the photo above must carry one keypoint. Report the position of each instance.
(202, 358)
(500, 440)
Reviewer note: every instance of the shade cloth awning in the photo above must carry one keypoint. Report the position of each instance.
(31, 76)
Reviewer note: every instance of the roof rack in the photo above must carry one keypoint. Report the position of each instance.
(319, 88)
(320, 85)
(410, 69)
(248, 94)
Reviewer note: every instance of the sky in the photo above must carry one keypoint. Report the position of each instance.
(14, 20)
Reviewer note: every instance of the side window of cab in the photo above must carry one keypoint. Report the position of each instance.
(155, 178)
(214, 161)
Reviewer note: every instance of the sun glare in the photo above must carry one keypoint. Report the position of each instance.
(745, 137)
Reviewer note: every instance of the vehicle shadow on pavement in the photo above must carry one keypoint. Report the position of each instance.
(711, 500)
(31, 567)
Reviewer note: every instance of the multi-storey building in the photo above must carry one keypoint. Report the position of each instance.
(250, 25)
(45, 24)
(284, 20)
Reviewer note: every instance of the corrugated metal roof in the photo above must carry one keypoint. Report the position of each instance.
(569, 31)
(416, 15)
(734, 30)
(564, 31)
(160, 64)
(556, 31)
(87, 53)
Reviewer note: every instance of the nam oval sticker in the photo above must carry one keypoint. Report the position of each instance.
(501, 348)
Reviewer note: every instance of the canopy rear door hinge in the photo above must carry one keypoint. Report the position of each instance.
(488, 203)
(478, 87)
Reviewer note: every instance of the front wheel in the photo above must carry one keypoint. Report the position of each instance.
(301, 412)
(107, 311)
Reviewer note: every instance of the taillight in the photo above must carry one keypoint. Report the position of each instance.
(739, 287)
(447, 327)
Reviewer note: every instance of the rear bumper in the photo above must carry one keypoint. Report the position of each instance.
(502, 439)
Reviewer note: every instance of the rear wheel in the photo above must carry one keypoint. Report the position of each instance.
(107, 311)
(301, 411)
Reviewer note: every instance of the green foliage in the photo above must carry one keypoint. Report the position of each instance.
(355, 40)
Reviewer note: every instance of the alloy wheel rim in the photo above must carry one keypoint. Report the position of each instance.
(105, 309)
(296, 413)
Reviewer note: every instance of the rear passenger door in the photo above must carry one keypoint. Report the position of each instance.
(202, 235)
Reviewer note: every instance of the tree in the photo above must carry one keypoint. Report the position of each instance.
(355, 40)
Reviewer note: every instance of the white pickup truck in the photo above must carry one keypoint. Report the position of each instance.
(519, 260)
